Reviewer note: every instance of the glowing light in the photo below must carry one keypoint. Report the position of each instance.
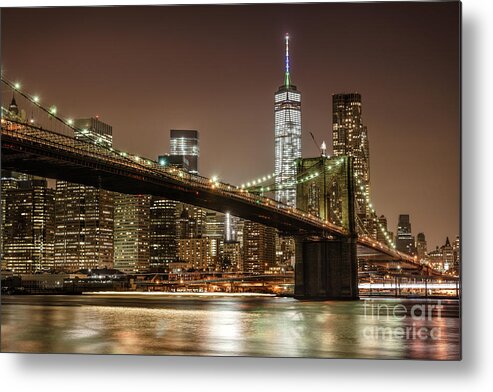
(214, 178)
(287, 81)
(17, 85)
(36, 99)
(53, 110)
(70, 121)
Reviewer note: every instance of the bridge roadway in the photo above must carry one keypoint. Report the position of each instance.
(41, 152)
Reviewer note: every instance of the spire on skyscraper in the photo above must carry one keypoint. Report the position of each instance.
(287, 80)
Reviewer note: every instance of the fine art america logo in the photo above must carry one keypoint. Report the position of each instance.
(398, 321)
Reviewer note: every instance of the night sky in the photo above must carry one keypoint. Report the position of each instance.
(145, 70)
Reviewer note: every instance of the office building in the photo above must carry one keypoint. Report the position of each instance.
(132, 232)
(198, 253)
(421, 246)
(405, 240)
(231, 260)
(84, 227)
(170, 220)
(350, 137)
(287, 129)
(448, 255)
(184, 150)
(456, 250)
(259, 248)
(435, 259)
(163, 233)
(28, 225)
(187, 226)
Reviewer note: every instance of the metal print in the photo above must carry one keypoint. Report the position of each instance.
(275, 180)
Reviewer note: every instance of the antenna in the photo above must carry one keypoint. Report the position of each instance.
(287, 81)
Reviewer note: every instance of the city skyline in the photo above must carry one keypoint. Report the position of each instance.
(436, 216)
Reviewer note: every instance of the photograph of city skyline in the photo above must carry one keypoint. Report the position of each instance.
(270, 180)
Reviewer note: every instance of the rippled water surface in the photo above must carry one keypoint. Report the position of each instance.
(234, 326)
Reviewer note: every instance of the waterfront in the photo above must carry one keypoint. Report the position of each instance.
(231, 326)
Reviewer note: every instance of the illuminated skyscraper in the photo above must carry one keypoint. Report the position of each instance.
(215, 230)
(259, 248)
(184, 150)
(350, 137)
(198, 253)
(84, 214)
(132, 232)
(84, 227)
(163, 232)
(448, 255)
(170, 220)
(421, 246)
(27, 225)
(456, 249)
(287, 126)
(405, 239)
(8, 181)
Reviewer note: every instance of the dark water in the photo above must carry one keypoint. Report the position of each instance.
(235, 326)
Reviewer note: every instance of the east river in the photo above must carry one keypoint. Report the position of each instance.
(231, 326)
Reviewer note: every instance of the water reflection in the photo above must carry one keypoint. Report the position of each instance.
(226, 326)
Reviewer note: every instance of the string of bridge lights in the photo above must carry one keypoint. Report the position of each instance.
(69, 122)
(261, 180)
(370, 205)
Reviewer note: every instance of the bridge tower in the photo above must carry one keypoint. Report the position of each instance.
(327, 266)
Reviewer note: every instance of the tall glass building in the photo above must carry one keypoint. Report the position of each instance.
(287, 122)
(132, 232)
(350, 137)
(184, 149)
(28, 224)
(405, 239)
